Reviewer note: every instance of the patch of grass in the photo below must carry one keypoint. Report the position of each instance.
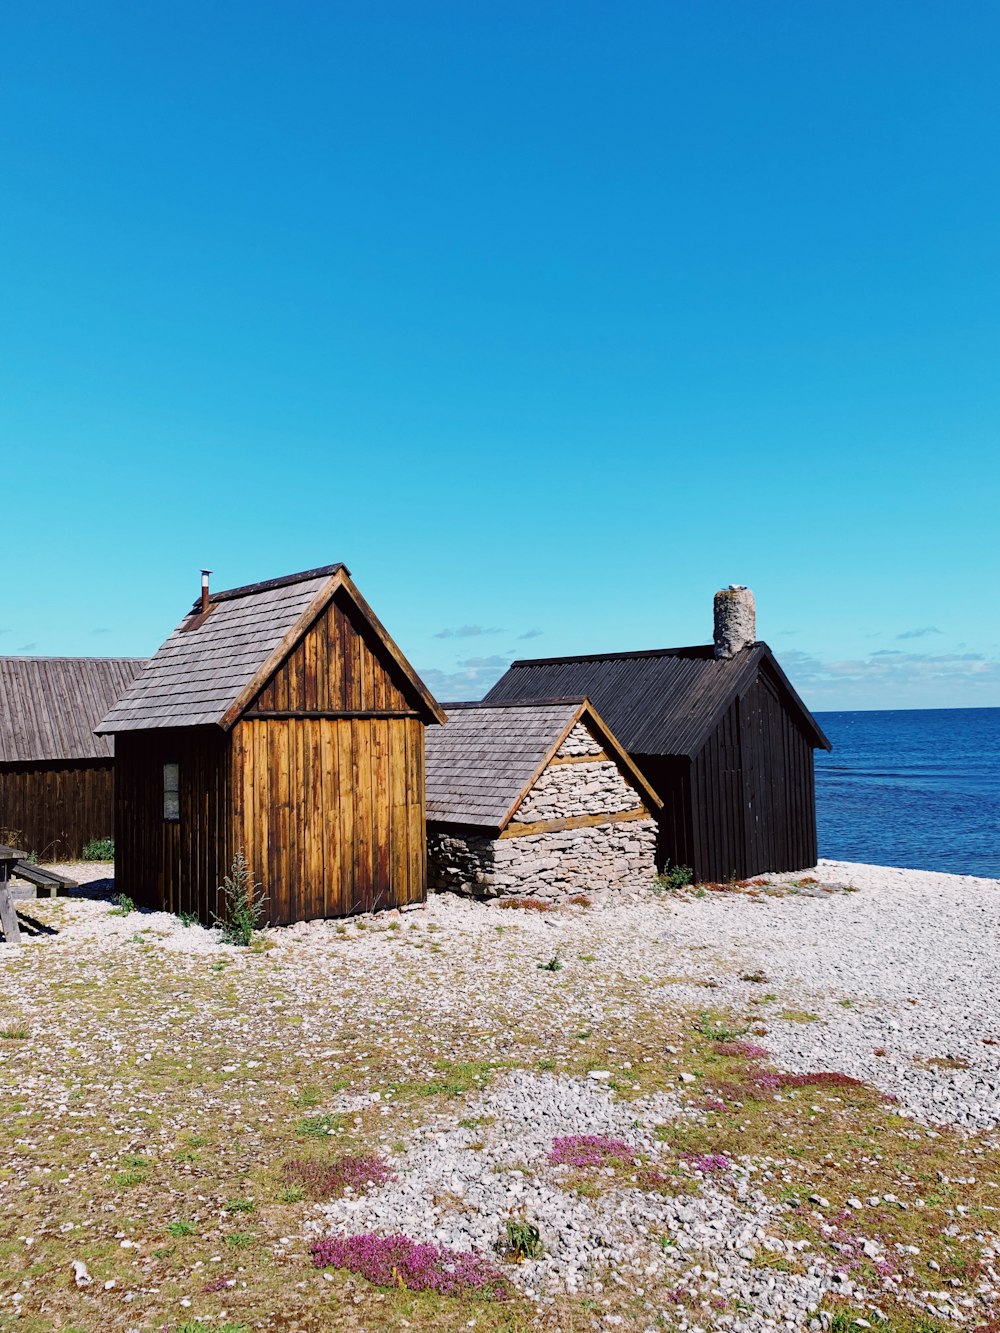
(240, 1206)
(942, 1062)
(310, 1095)
(180, 1228)
(524, 1240)
(319, 1126)
(240, 1240)
(187, 918)
(123, 905)
(99, 849)
(799, 1016)
(553, 965)
(527, 904)
(130, 1178)
(456, 1077)
(15, 1032)
(718, 1027)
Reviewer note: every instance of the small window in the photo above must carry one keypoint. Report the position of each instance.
(171, 791)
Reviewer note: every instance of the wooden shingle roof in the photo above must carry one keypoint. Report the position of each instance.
(208, 670)
(664, 701)
(482, 763)
(49, 706)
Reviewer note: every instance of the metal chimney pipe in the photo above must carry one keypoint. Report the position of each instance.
(204, 590)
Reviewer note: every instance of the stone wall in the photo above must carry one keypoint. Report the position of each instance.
(565, 791)
(579, 741)
(552, 863)
(544, 865)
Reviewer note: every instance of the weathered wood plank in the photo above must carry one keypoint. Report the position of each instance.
(577, 821)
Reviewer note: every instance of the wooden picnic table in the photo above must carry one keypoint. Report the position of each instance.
(9, 857)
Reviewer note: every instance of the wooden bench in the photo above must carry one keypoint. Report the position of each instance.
(45, 881)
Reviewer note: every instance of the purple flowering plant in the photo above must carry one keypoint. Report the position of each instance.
(707, 1163)
(583, 1150)
(398, 1261)
(328, 1180)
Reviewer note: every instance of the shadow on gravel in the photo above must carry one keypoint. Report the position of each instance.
(102, 890)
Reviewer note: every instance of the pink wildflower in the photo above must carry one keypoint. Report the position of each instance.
(589, 1150)
(394, 1261)
(708, 1163)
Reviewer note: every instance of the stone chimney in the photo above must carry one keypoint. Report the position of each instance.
(735, 620)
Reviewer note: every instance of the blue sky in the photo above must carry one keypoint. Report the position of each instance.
(547, 319)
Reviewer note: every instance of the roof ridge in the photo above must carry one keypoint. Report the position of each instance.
(612, 656)
(46, 657)
(265, 585)
(517, 703)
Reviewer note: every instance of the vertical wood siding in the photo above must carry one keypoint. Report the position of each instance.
(55, 809)
(173, 865)
(338, 667)
(327, 806)
(330, 812)
(779, 789)
(746, 804)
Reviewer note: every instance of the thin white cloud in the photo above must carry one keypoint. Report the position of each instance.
(892, 678)
(471, 681)
(921, 633)
(466, 632)
(531, 634)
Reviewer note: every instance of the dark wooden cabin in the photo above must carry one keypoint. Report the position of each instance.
(56, 776)
(726, 743)
(280, 720)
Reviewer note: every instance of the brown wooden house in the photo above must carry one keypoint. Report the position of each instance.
(719, 732)
(280, 720)
(56, 776)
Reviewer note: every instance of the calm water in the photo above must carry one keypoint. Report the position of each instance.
(917, 788)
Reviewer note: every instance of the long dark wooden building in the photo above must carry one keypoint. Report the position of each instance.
(281, 720)
(718, 731)
(56, 776)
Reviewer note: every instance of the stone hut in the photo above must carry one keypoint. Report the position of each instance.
(535, 799)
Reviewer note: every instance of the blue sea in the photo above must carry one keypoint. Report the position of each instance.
(917, 788)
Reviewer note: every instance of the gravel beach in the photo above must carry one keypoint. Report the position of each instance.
(547, 1027)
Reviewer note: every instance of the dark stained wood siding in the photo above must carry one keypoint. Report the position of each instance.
(778, 783)
(338, 667)
(55, 809)
(670, 778)
(173, 865)
(718, 817)
(746, 804)
(330, 812)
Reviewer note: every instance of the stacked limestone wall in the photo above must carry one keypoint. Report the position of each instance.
(551, 864)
